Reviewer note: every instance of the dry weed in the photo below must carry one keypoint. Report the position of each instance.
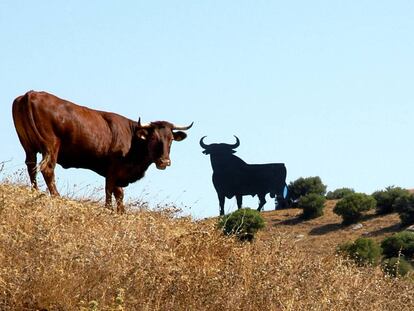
(59, 254)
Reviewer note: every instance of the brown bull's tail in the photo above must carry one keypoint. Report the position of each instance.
(25, 125)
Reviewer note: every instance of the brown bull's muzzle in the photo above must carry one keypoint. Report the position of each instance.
(163, 163)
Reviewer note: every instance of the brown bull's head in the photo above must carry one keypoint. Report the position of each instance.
(159, 136)
(219, 148)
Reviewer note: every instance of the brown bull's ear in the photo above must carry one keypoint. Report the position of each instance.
(142, 134)
(178, 136)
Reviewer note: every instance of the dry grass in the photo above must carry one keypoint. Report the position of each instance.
(58, 254)
(322, 235)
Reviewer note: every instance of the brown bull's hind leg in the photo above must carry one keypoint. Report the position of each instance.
(31, 160)
(47, 167)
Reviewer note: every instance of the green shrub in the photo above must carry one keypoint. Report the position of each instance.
(352, 206)
(404, 205)
(339, 193)
(244, 223)
(363, 251)
(304, 186)
(397, 266)
(387, 198)
(312, 205)
(401, 243)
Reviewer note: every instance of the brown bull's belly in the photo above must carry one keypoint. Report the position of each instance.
(122, 173)
(122, 183)
(99, 166)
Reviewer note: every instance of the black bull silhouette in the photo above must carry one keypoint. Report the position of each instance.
(234, 177)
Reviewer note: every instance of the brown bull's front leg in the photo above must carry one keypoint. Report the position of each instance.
(109, 189)
(118, 192)
(119, 197)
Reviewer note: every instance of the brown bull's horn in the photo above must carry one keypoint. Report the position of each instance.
(236, 144)
(144, 125)
(202, 144)
(183, 128)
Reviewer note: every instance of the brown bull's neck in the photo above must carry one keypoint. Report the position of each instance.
(139, 153)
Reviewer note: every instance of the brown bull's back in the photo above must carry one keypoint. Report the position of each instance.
(45, 119)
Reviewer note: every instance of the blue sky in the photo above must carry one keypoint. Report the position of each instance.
(323, 86)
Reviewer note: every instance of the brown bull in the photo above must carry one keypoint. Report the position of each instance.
(117, 148)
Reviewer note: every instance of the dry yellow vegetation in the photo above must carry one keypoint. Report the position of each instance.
(60, 254)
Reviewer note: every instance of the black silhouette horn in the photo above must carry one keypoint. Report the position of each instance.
(202, 144)
(236, 144)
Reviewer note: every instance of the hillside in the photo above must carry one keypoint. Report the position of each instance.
(320, 236)
(58, 254)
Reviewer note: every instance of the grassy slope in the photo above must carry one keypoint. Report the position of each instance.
(323, 234)
(58, 254)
